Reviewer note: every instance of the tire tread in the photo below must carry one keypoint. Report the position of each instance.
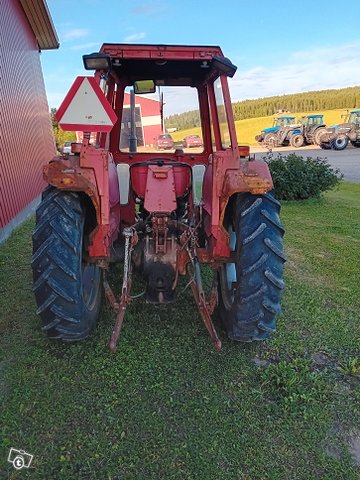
(57, 267)
(259, 264)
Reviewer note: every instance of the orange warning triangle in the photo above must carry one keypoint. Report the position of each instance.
(85, 108)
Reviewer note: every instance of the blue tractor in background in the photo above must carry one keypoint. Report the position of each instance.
(337, 137)
(279, 134)
(309, 132)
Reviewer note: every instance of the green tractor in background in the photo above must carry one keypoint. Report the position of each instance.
(277, 135)
(287, 130)
(337, 137)
(310, 131)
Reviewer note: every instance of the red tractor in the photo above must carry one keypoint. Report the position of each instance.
(118, 199)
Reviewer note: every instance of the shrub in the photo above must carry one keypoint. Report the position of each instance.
(297, 178)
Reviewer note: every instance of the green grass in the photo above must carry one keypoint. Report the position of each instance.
(248, 128)
(167, 406)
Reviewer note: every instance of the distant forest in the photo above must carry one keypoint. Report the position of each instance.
(298, 102)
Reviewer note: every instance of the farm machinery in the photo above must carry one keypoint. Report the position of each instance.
(309, 132)
(165, 214)
(279, 134)
(286, 130)
(337, 137)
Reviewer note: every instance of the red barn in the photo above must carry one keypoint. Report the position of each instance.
(147, 118)
(26, 138)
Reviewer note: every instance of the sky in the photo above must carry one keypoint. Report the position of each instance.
(279, 47)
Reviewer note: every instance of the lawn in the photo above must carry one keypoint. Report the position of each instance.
(248, 128)
(167, 406)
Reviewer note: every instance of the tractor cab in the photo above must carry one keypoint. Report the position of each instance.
(353, 117)
(278, 123)
(312, 120)
(150, 85)
(284, 121)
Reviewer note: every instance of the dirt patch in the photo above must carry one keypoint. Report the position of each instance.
(260, 362)
(321, 359)
(344, 439)
(333, 452)
(354, 447)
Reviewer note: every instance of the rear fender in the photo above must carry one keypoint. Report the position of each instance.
(254, 177)
(93, 172)
(225, 176)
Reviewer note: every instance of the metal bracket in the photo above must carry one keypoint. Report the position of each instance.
(125, 298)
(205, 308)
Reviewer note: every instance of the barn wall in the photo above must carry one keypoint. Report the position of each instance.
(150, 117)
(26, 139)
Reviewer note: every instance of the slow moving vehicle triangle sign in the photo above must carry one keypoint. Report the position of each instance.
(86, 108)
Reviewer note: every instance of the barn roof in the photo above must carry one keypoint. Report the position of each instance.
(41, 23)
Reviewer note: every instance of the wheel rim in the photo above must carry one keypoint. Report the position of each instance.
(228, 277)
(297, 141)
(230, 267)
(91, 276)
(340, 142)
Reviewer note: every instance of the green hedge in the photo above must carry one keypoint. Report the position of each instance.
(298, 178)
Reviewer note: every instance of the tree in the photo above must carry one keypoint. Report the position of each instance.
(298, 102)
(61, 136)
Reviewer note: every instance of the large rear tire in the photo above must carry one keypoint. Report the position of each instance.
(250, 289)
(317, 135)
(67, 290)
(340, 142)
(270, 140)
(297, 140)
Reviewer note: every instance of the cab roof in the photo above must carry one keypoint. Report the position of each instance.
(178, 64)
(168, 52)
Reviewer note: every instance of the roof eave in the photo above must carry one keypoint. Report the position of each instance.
(41, 23)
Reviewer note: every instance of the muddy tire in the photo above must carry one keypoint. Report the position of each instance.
(340, 142)
(325, 146)
(297, 140)
(317, 136)
(355, 144)
(67, 290)
(250, 289)
(270, 140)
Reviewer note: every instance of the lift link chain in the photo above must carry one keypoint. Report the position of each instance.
(125, 298)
